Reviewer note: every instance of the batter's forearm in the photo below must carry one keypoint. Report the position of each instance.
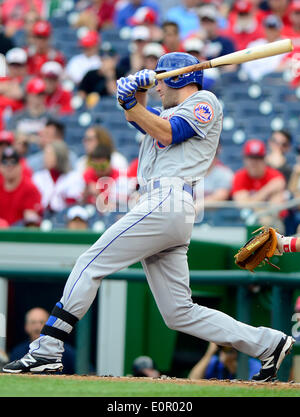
(154, 125)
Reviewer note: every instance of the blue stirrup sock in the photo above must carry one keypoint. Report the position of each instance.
(58, 313)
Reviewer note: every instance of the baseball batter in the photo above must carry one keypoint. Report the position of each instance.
(180, 143)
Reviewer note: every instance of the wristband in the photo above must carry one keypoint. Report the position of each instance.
(128, 104)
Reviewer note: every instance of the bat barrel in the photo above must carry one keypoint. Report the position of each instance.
(257, 52)
(245, 55)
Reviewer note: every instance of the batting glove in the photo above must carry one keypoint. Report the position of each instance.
(145, 79)
(126, 88)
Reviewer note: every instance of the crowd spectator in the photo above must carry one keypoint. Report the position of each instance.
(22, 146)
(13, 12)
(8, 139)
(221, 363)
(145, 16)
(124, 12)
(101, 180)
(134, 60)
(35, 319)
(77, 218)
(52, 131)
(216, 44)
(97, 15)
(294, 188)
(218, 182)
(143, 366)
(13, 85)
(99, 136)
(32, 118)
(171, 40)
(245, 27)
(58, 100)
(291, 61)
(86, 61)
(280, 144)
(185, 16)
(59, 185)
(6, 43)
(256, 70)
(26, 33)
(195, 47)
(41, 50)
(151, 53)
(292, 31)
(20, 198)
(257, 182)
(279, 8)
(102, 80)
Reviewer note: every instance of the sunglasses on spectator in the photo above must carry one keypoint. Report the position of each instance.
(207, 19)
(16, 64)
(10, 162)
(255, 157)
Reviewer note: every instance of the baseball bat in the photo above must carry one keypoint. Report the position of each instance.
(245, 55)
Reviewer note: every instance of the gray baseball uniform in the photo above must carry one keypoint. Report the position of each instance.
(157, 232)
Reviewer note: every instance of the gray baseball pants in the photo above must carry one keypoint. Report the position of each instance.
(156, 232)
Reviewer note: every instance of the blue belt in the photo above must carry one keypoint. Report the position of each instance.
(156, 184)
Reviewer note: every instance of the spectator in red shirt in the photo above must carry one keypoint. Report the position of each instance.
(33, 117)
(245, 28)
(293, 31)
(13, 12)
(279, 8)
(146, 16)
(98, 15)
(58, 100)
(41, 51)
(100, 179)
(12, 87)
(7, 139)
(291, 61)
(257, 182)
(20, 199)
(171, 41)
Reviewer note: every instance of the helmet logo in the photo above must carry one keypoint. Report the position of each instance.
(203, 112)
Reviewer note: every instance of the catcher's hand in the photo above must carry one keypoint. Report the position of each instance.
(258, 249)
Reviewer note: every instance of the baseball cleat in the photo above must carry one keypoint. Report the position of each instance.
(34, 364)
(270, 365)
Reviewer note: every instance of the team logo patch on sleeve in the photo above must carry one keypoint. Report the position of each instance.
(203, 112)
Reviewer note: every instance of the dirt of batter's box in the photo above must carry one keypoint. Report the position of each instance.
(173, 380)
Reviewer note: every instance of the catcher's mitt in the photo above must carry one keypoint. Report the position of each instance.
(258, 249)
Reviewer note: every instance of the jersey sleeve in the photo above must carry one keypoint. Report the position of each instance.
(200, 111)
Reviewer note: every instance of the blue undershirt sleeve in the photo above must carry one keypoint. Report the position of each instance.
(152, 110)
(181, 130)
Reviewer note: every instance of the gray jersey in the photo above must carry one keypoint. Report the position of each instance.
(190, 159)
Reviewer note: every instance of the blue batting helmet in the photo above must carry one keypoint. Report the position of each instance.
(174, 60)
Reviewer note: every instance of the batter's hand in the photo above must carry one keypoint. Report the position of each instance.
(145, 79)
(126, 88)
